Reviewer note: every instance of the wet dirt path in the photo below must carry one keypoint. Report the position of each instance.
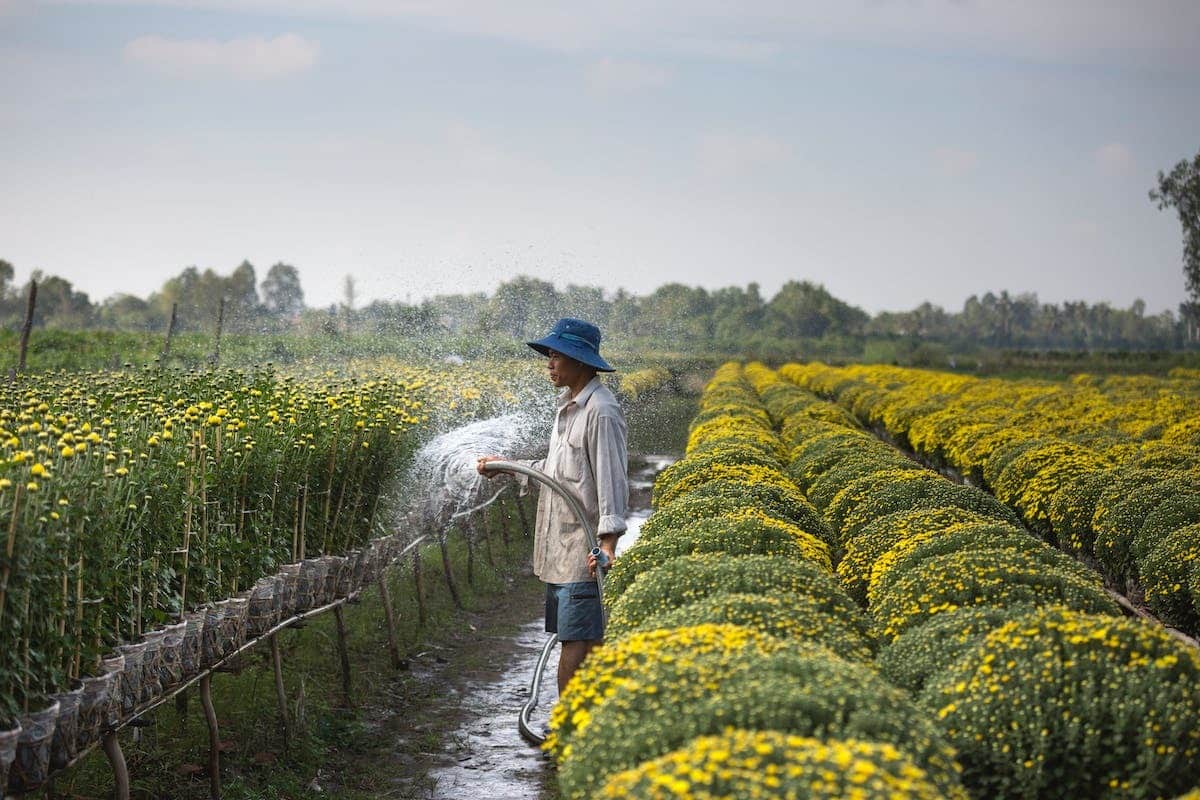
(484, 755)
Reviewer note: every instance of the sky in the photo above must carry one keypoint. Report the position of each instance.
(895, 151)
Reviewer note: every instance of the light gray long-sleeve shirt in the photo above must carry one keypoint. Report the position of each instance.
(588, 456)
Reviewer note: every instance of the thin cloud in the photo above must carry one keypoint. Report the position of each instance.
(955, 162)
(253, 58)
(734, 154)
(609, 76)
(741, 50)
(1151, 32)
(1114, 158)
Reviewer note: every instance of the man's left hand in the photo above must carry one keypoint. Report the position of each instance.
(609, 549)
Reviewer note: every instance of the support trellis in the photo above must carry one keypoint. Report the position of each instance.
(109, 741)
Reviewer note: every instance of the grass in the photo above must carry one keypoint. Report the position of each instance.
(167, 757)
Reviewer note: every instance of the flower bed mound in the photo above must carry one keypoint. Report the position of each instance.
(806, 691)
(749, 534)
(794, 617)
(981, 578)
(618, 662)
(987, 537)
(864, 550)
(866, 499)
(760, 764)
(927, 650)
(1064, 704)
(687, 579)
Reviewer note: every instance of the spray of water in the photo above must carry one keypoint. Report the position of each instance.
(445, 466)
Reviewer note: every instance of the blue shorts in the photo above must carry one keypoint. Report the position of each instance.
(573, 612)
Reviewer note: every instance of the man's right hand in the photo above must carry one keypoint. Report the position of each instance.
(483, 470)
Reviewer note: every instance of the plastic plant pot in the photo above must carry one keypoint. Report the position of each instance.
(8, 752)
(213, 643)
(189, 652)
(95, 706)
(289, 575)
(170, 664)
(264, 607)
(32, 765)
(152, 665)
(131, 676)
(234, 623)
(334, 566)
(64, 746)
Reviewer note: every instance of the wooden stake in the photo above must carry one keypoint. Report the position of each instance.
(27, 326)
(419, 584)
(280, 694)
(449, 573)
(487, 538)
(216, 359)
(214, 738)
(166, 351)
(112, 749)
(470, 555)
(390, 618)
(343, 652)
(523, 517)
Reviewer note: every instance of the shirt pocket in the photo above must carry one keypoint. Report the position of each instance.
(572, 457)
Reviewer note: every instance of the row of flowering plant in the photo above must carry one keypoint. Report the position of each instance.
(1014, 647)
(130, 497)
(1105, 467)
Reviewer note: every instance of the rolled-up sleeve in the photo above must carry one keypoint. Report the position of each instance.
(610, 463)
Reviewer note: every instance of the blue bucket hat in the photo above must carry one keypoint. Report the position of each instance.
(575, 339)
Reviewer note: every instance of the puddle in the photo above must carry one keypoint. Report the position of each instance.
(486, 756)
(489, 755)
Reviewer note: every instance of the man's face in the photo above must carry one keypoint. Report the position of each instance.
(564, 371)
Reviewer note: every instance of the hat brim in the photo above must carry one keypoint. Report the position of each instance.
(571, 350)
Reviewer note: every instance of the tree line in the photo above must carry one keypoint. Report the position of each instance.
(673, 316)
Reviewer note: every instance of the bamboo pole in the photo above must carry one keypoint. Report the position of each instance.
(9, 548)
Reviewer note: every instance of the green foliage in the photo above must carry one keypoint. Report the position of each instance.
(1119, 517)
(853, 464)
(776, 500)
(695, 464)
(1060, 704)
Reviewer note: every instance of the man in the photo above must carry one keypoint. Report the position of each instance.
(587, 455)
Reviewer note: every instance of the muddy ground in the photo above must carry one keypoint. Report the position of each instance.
(447, 726)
